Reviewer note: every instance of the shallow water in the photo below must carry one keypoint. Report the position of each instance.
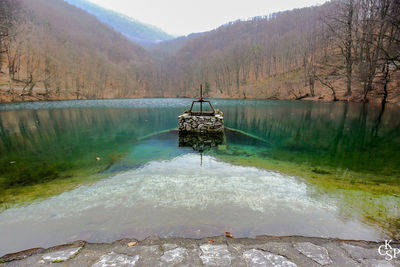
(180, 197)
(156, 187)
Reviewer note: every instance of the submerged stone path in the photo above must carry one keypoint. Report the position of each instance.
(214, 251)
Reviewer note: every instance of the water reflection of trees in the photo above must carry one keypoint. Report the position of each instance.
(36, 143)
(341, 135)
(344, 135)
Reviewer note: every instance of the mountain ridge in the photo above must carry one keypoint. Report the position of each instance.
(286, 55)
(138, 32)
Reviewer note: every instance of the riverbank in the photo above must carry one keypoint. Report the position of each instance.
(211, 251)
(323, 95)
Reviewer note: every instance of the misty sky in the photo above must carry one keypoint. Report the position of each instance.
(181, 17)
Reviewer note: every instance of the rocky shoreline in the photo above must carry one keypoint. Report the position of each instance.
(212, 251)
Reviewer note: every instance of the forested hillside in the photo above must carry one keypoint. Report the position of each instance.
(235, 59)
(342, 50)
(136, 31)
(54, 50)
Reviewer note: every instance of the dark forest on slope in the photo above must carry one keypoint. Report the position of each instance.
(341, 50)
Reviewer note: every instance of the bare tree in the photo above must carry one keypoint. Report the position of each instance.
(341, 25)
(390, 50)
(374, 27)
(10, 43)
(328, 84)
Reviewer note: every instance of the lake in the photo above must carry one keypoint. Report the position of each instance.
(101, 170)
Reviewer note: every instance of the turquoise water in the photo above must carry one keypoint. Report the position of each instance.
(342, 135)
(153, 186)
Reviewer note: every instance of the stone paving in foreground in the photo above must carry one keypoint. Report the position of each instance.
(215, 251)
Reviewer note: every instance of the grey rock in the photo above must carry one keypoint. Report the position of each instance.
(148, 254)
(200, 123)
(176, 255)
(317, 253)
(286, 249)
(61, 255)
(258, 258)
(263, 251)
(114, 259)
(339, 257)
(360, 253)
(377, 263)
(169, 246)
(215, 255)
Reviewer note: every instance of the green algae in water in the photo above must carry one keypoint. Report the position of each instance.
(185, 196)
(339, 135)
(50, 146)
(374, 203)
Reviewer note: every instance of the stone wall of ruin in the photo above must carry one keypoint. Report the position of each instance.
(201, 124)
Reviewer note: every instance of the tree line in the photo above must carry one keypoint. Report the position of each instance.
(52, 50)
(349, 47)
(350, 41)
(366, 35)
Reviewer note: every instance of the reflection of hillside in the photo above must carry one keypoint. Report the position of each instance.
(60, 140)
(339, 135)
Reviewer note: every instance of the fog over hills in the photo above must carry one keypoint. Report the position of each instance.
(135, 30)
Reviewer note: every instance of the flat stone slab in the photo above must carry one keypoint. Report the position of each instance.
(169, 246)
(258, 258)
(218, 251)
(61, 255)
(115, 259)
(176, 255)
(215, 255)
(341, 258)
(316, 253)
(377, 263)
(359, 252)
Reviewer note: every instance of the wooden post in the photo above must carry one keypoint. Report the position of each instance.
(201, 98)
